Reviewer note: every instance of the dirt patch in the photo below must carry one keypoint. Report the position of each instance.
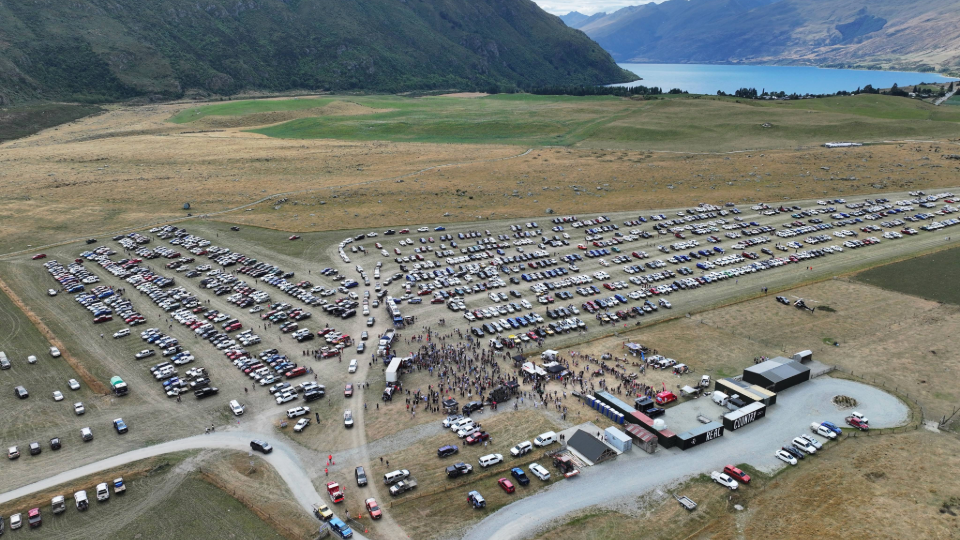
(259, 488)
(337, 108)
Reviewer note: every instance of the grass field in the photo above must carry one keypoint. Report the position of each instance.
(934, 276)
(954, 100)
(874, 487)
(705, 123)
(240, 108)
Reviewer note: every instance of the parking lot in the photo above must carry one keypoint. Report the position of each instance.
(257, 309)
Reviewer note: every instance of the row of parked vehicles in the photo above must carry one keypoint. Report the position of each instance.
(58, 504)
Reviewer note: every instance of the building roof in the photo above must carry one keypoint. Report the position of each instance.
(591, 448)
(639, 433)
(615, 433)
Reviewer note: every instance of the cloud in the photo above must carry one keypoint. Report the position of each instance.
(587, 7)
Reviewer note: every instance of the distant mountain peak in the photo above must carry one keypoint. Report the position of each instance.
(890, 33)
(575, 19)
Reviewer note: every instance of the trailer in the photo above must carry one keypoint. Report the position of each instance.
(686, 502)
(393, 370)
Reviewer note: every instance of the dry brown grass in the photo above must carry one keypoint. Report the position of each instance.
(129, 472)
(130, 167)
(889, 338)
(94, 384)
(261, 490)
(438, 505)
(876, 487)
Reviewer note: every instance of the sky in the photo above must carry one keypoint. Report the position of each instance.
(587, 7)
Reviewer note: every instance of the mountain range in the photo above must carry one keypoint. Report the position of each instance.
(874, 33)
(104, 50)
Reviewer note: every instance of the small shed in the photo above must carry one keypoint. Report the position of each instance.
(618, 439)
(589, 448)
(803, 356)
(644, 440)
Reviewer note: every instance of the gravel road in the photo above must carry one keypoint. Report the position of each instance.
(283, 458)
(796, 408)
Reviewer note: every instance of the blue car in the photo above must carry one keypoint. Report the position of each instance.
(832, 427)
(718, 249)
(440, 229)
(341, 528)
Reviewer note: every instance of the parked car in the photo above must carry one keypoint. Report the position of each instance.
(490, 459)
(520, 476)
(476, 500)
(373, 508)
(506, 485)
(448, 450)
(459, 469)
(521, 449)
(737, 474)
(539, 471)
(724, 480)
(786, 457)
(857, 423)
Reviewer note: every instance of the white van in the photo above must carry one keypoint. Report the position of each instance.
(719, 398)
(545, 438)
(86, 434)
(103, 492)
(236, 408)
(490, 459)
(395, 476)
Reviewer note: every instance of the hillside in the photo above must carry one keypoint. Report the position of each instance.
(881, 33)
(97, 50)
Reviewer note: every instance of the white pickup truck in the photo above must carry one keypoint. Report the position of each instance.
(822, 430)
(724, 480)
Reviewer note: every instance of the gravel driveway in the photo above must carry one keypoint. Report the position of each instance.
(283, 458)
(796, 408)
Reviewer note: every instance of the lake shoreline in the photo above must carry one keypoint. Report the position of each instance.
(707, 79)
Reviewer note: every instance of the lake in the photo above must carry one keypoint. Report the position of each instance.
(707, 79)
